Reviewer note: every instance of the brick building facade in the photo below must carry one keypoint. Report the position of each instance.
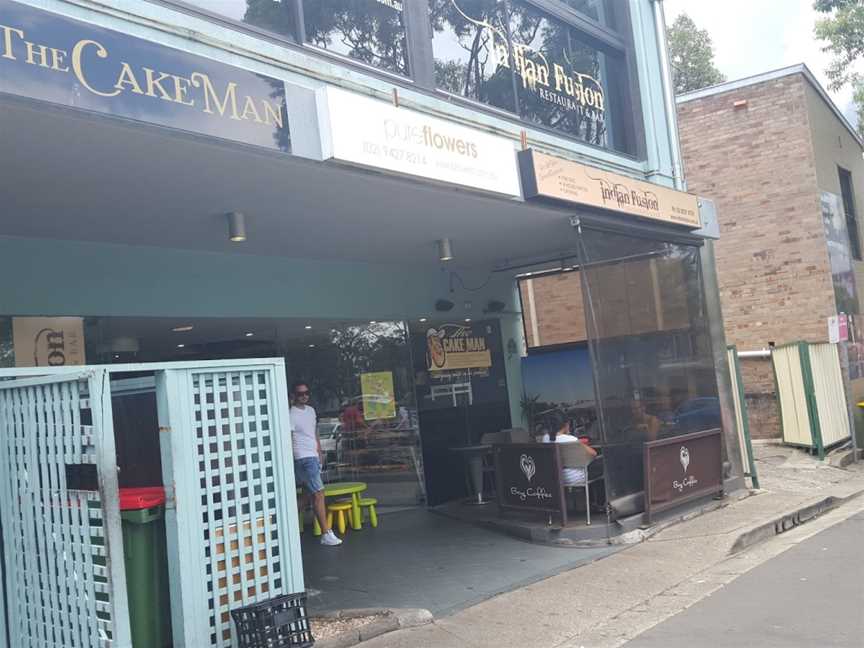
(764, 149)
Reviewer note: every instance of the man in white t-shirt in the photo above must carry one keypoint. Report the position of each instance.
(307, 459)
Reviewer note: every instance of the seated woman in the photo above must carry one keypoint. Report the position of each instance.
(558, 426)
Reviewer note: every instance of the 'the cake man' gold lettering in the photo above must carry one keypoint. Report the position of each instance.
(197, 90)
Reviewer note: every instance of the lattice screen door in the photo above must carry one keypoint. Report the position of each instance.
(63, 547)
(232, 518)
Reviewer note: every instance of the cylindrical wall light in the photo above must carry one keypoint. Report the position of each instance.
(236, 226)
(445, 251)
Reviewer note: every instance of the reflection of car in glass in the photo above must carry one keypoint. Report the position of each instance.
(697, 414)
(329, 433)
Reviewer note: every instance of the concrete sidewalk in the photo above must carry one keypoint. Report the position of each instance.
(596, 604)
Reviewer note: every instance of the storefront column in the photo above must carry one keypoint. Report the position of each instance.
(714, 313)
(513, 341)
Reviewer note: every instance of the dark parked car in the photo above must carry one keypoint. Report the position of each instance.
(697, 414)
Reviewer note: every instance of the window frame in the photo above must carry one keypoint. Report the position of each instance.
(617, 42)
(852, 229)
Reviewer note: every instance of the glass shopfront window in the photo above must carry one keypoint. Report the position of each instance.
(360, 374)
(471, 48)
(555, 71)
(370, 31)
(596, 10)
(277, 16)
(648, 332)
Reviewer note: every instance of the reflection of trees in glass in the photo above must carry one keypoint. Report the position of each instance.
(333, 370)
(480, 45)
(281, 136)
(7, 353)
(367, 30)
(273, 15)
(592, 8)
(548, 43)
(471, 50)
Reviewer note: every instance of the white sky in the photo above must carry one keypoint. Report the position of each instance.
(754, 36)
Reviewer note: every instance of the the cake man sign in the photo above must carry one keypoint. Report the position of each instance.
(453, 347)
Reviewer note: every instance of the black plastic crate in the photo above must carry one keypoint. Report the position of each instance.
(278, 623)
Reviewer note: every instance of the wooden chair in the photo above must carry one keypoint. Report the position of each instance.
(576, 455)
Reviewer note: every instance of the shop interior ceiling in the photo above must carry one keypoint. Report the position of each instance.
(290, 333)
(82, 177)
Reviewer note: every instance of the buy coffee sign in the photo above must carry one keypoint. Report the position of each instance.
(682, 468)
(528, 476)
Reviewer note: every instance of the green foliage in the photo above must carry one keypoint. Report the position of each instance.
(692, 56)
(842, 29)
(858, 98)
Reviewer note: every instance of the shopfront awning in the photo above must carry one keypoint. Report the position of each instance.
(77, 176)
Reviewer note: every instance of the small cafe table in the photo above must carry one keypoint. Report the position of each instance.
(348, 488)
(335, 489)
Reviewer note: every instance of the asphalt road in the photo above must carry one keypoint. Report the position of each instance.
(810, 595)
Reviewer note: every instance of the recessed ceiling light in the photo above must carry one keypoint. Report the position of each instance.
(311, 346)
(372, 322)
(182, 329)
(180, 346)
(249, 334)
(308, 327)
(422, 319)
(236, 226)
(467, 319)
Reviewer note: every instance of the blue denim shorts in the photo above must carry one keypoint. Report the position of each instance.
(307, 473)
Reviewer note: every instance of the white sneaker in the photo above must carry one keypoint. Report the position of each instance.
(329, 539)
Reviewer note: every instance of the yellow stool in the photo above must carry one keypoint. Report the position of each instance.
(369, 502)
(339, 508)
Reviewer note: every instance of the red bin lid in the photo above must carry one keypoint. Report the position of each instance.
(136, 499)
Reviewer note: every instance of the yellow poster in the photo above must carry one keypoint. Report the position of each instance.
(379, 400)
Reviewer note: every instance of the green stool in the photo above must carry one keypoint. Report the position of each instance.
(339, 509)
(370, 502)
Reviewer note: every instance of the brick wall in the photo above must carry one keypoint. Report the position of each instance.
(558, 307)
(757, 163)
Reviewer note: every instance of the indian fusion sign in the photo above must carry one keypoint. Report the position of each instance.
(546, 176)
(557, 75)
(51, 58)
(375, 134)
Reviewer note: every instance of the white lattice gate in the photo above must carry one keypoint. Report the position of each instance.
(63, 547)
(228, 470)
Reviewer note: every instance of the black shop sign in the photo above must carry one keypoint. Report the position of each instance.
(47, 57)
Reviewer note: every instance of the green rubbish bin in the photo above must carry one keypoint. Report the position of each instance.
(145, 556)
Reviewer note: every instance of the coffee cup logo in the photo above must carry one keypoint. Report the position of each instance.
(684, 456)
(526, 462)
